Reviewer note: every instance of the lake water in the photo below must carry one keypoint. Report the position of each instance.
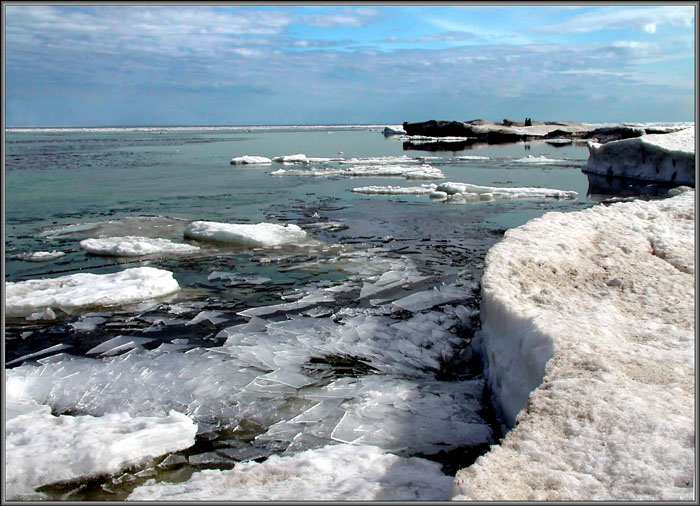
(334, 371)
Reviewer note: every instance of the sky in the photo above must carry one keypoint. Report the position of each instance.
(126, 65)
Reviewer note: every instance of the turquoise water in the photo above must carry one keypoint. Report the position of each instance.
(65, 186)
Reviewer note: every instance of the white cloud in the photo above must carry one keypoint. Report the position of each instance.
(607, 18)
(346, 17)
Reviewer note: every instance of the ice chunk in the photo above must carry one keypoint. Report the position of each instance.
(395, 190)
(424, 171)
(87, 323)
(473, 157)
(83, 290)
(215, 317)
(430, 298)
(330, 473)
(118, 344)
(250, 160)
(259, 234)
(542, 159)
(393, 130)
(42, 256)
(466, 190)
(48, 351)
(130, 246)
(42, 448)
(659, 157)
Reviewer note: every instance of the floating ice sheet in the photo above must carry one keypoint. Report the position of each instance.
(250, 160)
(423, 171)
(471, 191)
(134, 246)
(395, 190)
(42, 256)
(83, 290)
(258, 234)
(542, 159)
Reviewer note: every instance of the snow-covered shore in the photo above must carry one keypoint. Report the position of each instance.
(588, 334)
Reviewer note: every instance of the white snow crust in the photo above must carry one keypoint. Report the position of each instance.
(659, 157)
(471, 191)
(395, 190)
(250, 160)
(42, 448)
(83, 290)
(331, 473)
(130, 246)
(257, 234)
(588, 339)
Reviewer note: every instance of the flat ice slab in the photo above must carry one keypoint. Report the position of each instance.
(42, 448)
(588, 332)
(331, 473)
(258, 234)
(42, 256)
(667, 158)
(132, 246)
(84, 290)
(250, 160)
(472, 191)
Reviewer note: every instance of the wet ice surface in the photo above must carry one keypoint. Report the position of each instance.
(364, 343)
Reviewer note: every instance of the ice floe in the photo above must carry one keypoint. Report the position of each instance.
(302, 158)
(331, 473)
(472, 191)
(42, 448)
(668, 158)
(84, 290)
(134, 246)
(542, 159)
(394, 130)
(394, 190)
(473, 157)
(588, 334)
(257, 234)
(42, 256)
(250, 160)
(424, 171)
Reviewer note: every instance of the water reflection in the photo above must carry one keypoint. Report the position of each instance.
(604, 187)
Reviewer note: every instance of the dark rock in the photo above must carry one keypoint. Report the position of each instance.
(614, 133)
(434, 128)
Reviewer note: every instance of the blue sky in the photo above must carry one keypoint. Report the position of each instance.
(116, 64)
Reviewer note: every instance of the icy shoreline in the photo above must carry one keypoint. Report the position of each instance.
(592, 314)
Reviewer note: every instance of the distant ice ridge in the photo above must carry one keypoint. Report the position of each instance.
(588, 332)
(424, 171)
(83, 290)
(464, 192)
(130, 246)
(668, 158)
(250, 160)
(331, 473)
(41, 256)
(258, 234)
(42, 448)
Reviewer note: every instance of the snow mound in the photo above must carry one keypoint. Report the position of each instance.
(258, 234)
(250, 160)
(42, 448)
(42, 256)
(331, 473)
(471, 191)
(83, 290)
(588, 341)
(130, 246)
(668, 158)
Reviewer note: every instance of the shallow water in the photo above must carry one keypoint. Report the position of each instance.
(65, 186)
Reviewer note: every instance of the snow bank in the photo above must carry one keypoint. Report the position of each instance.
(130, 246)
(592, 314)
(471, 191)
(83, 290)
(258, 234)
(42, 256)
(42, 448)
(331, 473)
(668, 158)
(250, 160)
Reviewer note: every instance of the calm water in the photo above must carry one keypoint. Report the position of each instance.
(65, 186)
